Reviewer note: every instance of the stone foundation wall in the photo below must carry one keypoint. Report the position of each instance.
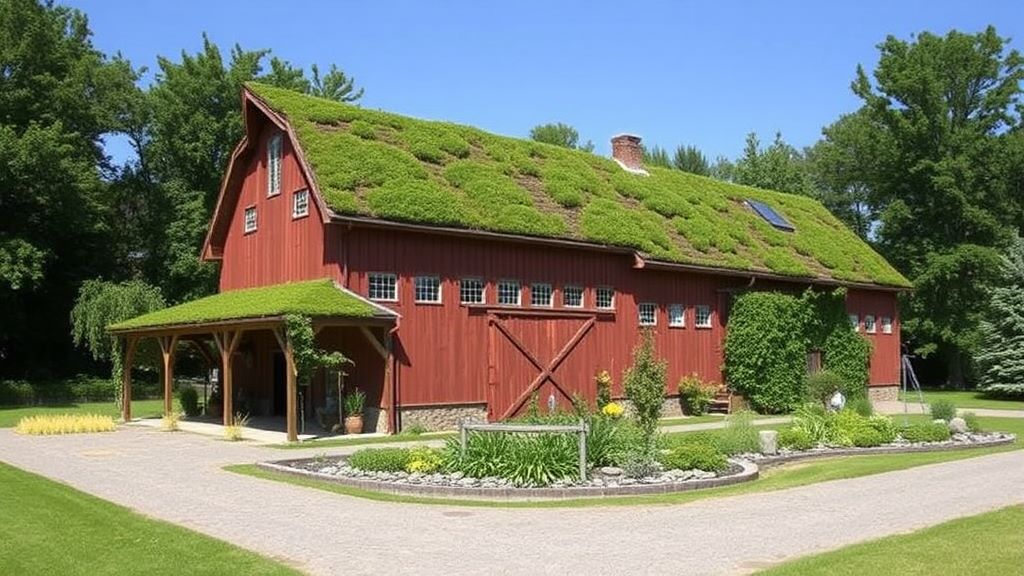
(438, 418)
(884, 393)
(671, 407)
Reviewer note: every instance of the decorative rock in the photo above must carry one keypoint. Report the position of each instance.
(958, 425)
(457, 476)
(611, 471)
(939, 421)
(769, 442)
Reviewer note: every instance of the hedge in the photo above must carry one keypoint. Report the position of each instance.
(78, 389)
(365, 160)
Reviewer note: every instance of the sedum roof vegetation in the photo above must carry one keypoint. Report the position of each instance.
(312, 298)
(391, 167)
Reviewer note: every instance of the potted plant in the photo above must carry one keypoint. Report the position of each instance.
(354, 403)
(214, 405)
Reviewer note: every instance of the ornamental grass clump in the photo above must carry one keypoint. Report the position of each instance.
(65, 424)
(739, 435)
(795, 438)
(943, 409)
(233, 431)
(169, 422)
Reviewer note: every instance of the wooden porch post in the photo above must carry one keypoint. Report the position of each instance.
(291, 388)
(126, 377)
(167, 346)
(227, 343)
(385, 352)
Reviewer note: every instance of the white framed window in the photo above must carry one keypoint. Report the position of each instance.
(300, 203)
(702, 316)
(886, 325)
(648, 313)
(471, 291)
(509, 293)
(572, 297)
(677, 316)
(428, 289)
(605, 298)
(250, 219)
(541, 295)
(383, 286)
(274, 165)
(855, 322)
(869, 324)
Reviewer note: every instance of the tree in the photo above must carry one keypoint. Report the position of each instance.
(101, 303)
(778, 167)
(644, 383)
(937, 135)
(335, 85)
(691, 159)
(840, 167)
(556, 133)
(657, 156)
(1000, 359)
(58, 97)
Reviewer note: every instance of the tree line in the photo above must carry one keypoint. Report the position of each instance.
(929, 170)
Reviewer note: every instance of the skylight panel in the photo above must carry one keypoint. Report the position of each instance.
(770, 215)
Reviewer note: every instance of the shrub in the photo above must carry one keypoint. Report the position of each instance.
(926, 432)
(861, 406)
(381, 459)
(816, 422)
(866, 437)
(522, 459)
(414, 429)
(971, 419)
(1005, 391)
(739, 435)
(695, 457)
(795, 439)
(885, 427)
(423, 459)
(604, 389)
(943, 409)
(644, 383)
(189, 399)
(169, 422)
(65, 424)
(821, 386)
(233, 431)
(695, 395)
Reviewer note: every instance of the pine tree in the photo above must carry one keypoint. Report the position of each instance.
(1001, 359)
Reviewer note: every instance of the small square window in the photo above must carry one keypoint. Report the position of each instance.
(509, 293)
(886, 325)
(677, 316)
(428, 289)
(869, 324)
(383, 287)
(471, 291)
(572, 297)
(855, 322)
(648, 314)
(274, 165)
(702, 316)
(540, 295)
(250, 219)
(605, 298)
(300, 204)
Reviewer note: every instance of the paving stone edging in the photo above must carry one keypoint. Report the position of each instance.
(749, 471)
(769, 461)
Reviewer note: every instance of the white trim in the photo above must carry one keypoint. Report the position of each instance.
(519, 292)
(640, 313)
(415, 289)
(295, 197)
(245, 219)
(387, 311)
(886, 322)
(583, 296)
(696, 317)
(483, 290)
(873, 327)
(369, 281)
(274, 144)
(551, 295)
(854, 322)
(597, 300)
(682, 316)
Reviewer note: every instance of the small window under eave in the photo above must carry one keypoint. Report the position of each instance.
(770, 215)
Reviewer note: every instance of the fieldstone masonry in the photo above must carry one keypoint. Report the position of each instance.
(438, 418)
(884, 393)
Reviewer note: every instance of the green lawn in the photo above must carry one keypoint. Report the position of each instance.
(50, 528)
(9, 417)
(778, 478)
(991, 543)
(691, 419)
(966, 399)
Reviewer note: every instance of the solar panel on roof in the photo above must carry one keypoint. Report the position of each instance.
(768, 213)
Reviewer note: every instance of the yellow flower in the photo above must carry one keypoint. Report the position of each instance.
(612, 410)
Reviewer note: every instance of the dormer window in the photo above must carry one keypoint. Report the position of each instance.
(274, 165)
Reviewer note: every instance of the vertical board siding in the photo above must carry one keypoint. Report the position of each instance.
(282, 249)
(885, 348)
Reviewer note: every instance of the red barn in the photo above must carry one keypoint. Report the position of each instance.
(470, 271)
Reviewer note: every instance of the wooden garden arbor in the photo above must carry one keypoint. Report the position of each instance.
(185, 324)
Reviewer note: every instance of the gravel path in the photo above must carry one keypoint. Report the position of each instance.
(177, 477)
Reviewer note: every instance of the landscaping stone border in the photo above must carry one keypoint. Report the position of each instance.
(749, 470)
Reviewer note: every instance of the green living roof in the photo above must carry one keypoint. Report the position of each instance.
(391, 167)
(313, 298)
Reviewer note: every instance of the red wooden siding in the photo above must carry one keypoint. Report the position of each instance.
(283, 248)
(885, 355)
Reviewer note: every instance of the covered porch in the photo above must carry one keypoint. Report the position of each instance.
(243, 334)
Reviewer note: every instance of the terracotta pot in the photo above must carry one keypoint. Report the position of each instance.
(354, 424)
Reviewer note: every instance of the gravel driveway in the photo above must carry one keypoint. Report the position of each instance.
(178, 477)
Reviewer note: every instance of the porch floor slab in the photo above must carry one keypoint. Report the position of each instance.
(260, 430)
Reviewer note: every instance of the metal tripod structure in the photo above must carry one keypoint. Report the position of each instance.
(908, 378)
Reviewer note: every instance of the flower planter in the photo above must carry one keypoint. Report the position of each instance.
(354, 424)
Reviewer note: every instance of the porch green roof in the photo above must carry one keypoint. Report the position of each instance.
(385, 166)
(315, 298)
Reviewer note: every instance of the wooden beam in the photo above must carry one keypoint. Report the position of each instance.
(389, 385)
(291, 385)
(227, 343)
(167, 347)
(374, 342)
(126, 376)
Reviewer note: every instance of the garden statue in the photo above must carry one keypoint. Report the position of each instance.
(837, 401)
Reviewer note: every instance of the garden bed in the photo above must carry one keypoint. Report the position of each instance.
(455, 485)
(956, 442)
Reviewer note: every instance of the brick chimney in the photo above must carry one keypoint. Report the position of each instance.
(627, 152)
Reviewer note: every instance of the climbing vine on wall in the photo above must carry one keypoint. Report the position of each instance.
(308, 357)
(769, 336)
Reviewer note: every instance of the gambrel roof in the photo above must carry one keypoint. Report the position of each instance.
(382, 166)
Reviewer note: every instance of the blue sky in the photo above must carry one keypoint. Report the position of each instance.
(704, 74)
